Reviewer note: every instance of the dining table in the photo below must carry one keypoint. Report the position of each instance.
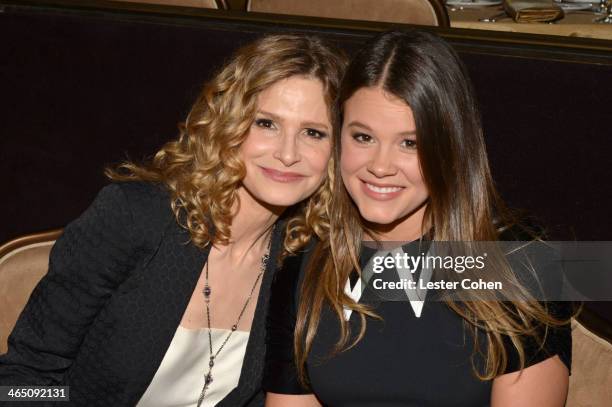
(490, 15)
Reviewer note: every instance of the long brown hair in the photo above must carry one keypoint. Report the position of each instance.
(202, 169)
(463, 205)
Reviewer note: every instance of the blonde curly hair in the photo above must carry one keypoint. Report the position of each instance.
(202, 169)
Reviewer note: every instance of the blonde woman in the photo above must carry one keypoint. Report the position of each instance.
(411, 166)
(157, 295)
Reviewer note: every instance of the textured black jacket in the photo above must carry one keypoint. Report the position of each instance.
(120, 278)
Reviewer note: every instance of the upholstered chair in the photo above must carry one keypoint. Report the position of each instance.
(23, 262)
(421, 12)
(183, 3)
(591, 379)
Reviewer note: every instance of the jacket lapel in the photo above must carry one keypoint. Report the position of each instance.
(168, 280)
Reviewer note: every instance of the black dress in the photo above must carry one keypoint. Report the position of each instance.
(403, 360)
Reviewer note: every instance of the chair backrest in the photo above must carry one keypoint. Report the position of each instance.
(23, 262)
(591, 379)
(421, 12)
(183, 3)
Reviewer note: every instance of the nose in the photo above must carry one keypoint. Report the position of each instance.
(287, 151)
(381, 164)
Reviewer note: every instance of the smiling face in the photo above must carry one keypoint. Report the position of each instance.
(379, 163)
(288, 146)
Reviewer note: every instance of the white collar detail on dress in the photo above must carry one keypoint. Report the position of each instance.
(416, 297)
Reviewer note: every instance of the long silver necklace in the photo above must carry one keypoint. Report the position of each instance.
(207, 291)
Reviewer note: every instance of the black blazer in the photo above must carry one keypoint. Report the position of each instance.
(120, 278)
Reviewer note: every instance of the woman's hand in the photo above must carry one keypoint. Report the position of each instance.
(541, 385)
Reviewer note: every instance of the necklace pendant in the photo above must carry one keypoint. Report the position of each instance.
(207, 291)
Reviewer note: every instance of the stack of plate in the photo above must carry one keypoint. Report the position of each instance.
(575, 5)
(473, 4)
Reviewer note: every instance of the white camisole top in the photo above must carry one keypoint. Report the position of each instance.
(179, 379)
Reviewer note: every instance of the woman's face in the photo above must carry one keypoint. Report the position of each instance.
(289, 144)
(379, 162)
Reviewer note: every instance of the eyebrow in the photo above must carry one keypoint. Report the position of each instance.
(304, 124)
(356, 123)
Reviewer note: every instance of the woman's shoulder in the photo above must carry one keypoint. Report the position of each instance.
(536, 263)
(146, 201)
(139, 194)
(138, 210)
(547, 342)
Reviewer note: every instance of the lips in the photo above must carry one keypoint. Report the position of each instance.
(281, 176)
(381, 192)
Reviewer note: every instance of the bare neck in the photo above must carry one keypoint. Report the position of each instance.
(406, 229)
(251, 225)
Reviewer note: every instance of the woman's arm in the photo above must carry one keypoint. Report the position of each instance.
(544, 384)
(87, 263)
(291, 400)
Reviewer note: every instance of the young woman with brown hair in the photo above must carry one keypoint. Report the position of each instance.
(157, 295)
(411, 165)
